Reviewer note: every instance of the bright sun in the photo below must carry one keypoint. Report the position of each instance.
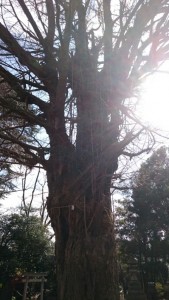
(154, 102)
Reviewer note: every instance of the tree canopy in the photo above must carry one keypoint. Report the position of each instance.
(68, 50)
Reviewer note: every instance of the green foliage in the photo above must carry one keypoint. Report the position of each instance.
(6, 177)
(151, 193)
(159, 289)
(145, 218)
(24, 245)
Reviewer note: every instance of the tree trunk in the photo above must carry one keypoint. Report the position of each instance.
(85, 253)
(89, 269)
(85, 244)
(79, 204)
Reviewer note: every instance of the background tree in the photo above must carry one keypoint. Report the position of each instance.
(6, 179)
(74, 68)
(25, 246)
(145, 220)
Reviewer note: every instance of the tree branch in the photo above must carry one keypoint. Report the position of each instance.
(12, 104)
(51, 23)
(31, 20)
(25, 96)
(25, 58)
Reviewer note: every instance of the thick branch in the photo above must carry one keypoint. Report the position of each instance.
(51, 23)
(21, 158)
(31, 20)
(25, 58)
(14, 83)
(11, 104)
(27, 148)
(107, 33)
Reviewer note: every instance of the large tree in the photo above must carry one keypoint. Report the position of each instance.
(74, 67)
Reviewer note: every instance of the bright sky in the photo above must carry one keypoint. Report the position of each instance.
(154, 102)
(13, 201)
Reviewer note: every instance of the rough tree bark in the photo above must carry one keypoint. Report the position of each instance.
(79, 203)
(70, 66)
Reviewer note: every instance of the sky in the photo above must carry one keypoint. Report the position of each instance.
(33, 185)
(154, 100)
